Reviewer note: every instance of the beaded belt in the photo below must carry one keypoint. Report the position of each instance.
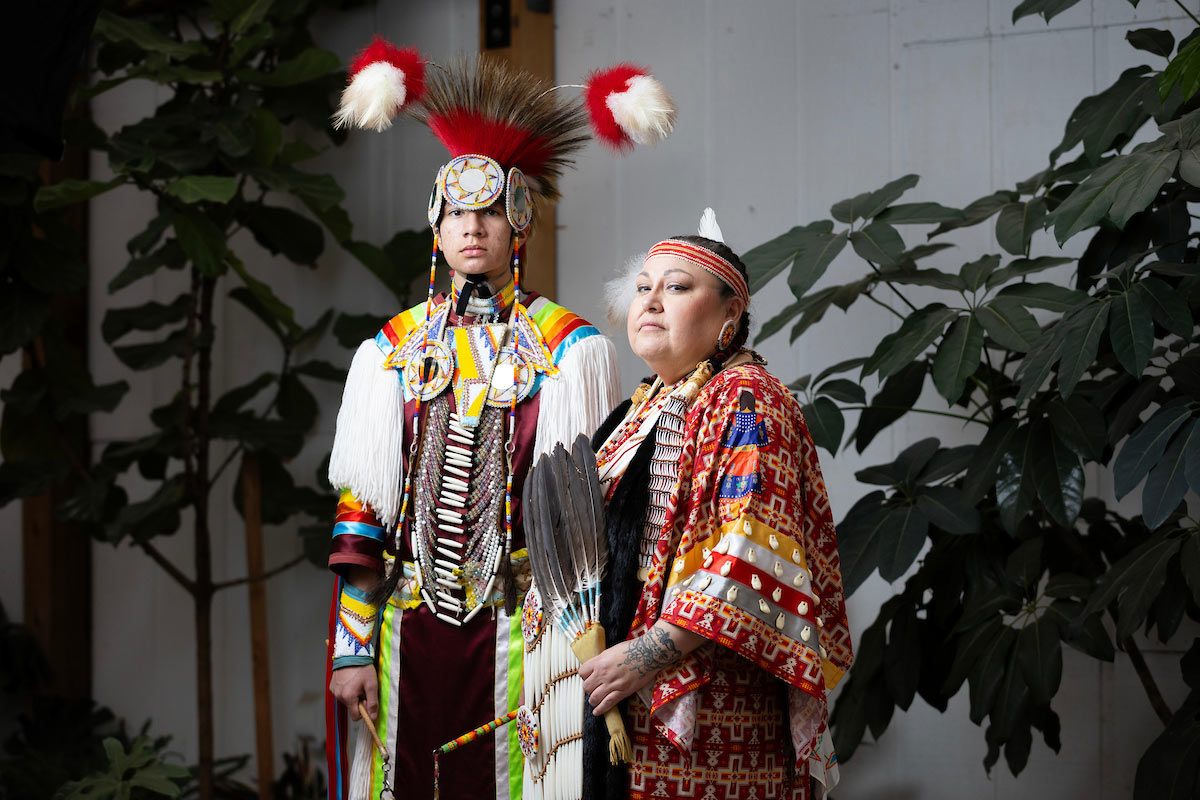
(407, 594)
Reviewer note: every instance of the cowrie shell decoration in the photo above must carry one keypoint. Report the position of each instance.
(777, 594)
(751, 555)
(755, 582)
(774, 542)
(723, 546)
(796, 557)
(803, 607)
(806, 633)
(762, 604)
(778, 570)
(708, 562)
(704, 582)
(798, 580)
(726, 567)
(747, 528)
(731, 595)
(779, 621)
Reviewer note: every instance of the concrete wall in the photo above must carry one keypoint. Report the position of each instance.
(785, 108)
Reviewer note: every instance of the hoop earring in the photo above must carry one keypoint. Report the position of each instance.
(728, 332)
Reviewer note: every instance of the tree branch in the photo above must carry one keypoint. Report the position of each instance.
(183, 580)
(896, 291)
(1187, 11)
(1143, 672)
(882, 304)
(262, 576)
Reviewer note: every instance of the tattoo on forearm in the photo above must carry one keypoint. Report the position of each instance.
(650, 653)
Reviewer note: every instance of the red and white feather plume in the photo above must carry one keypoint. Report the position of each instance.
(627, 105)
(383, 79)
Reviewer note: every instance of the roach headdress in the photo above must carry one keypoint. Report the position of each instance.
(509, 134)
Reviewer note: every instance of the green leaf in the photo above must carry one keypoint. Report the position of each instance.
(1168, 769)
(1080, 425)
(309, 65)
(1183, 69)
(847, 391)
(1081, 333)
(1145, 447)
(194, 188)
(903, 539)
(1047, 8)
(1085, 634)
(813, 256)
(947, 463)
(1045, 295)
(201, 240)
(815, 305)
(1009, 324)
(1129, 411)
(1038, 362)
(1098, 121)
(1189, 563)
(968, 647)
(919, 214)
(1024, 266)
(351, 329)
(868, 204)
(268, 135)
(988, 672)
(146, 317)
(948, 509)
(251, 16)
(1024, 565)
(775, 324)
(158, 515)
(1016, 487)
(974, 273)
(282, 230)
(894, 400)
(1166, 306)
(1117, 190)
(841, 366)
(923, 277)
(878, 243)
(1191, 458)
(22, 315)
(1158, 41)
(153, 354)
(1131, 332)
(861, 535)
(957, 357)
(321, 370)
(237, 397)
(1134, 582)
(825, 423)
(267, 301)
(1167, 482)
(979, 211)
(899, 349)
(1039, 654)
(1059, 476)
(771, 258)
(71, 191)
(912, 459)
(113, 28)
(1017, 223)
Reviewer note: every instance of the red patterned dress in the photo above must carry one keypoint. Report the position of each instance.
(747, 558)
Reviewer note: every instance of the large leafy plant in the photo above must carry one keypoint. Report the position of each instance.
(1044, 378)
(249, 103)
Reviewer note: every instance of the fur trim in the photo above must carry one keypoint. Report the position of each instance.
(368, 448)
(580, 396)
(382, 80)
(645, 112)
(620, 291)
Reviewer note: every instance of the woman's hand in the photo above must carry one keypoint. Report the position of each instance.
(624, 668)
(352, 684)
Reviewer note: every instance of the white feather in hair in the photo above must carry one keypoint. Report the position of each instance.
(709, 228)
(619, 293)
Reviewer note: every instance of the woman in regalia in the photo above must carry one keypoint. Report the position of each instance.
(723, 606)
(442, 413)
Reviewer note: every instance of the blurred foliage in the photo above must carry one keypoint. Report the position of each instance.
(248, 98)
(1004, 559)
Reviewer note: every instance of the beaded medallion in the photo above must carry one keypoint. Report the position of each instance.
(532, 618)
(472, 182)
(527, 732)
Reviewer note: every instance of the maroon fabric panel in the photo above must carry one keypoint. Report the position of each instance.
(350, 549)
(447, 681)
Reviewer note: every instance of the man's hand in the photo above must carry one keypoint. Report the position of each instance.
(352, 684)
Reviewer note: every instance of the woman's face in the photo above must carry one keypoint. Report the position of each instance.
(676, 315)
(477, 242)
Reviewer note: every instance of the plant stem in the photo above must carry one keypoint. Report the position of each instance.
(1187, 11)
(918, 411)
(895, 291)
(262, 576)
(882, 304)
(175, 572)
(1143, 672)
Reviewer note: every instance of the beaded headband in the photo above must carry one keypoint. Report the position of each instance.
(707, 260)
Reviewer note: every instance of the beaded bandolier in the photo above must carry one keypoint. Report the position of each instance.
(442, 414)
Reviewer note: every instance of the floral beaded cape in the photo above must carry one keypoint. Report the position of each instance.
(747, 558)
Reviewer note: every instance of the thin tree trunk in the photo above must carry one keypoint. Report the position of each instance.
(203, 548)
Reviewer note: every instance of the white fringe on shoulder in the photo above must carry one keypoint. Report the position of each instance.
(368, 448)
(577, 399)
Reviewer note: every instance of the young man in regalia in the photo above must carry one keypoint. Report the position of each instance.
(443, 412)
